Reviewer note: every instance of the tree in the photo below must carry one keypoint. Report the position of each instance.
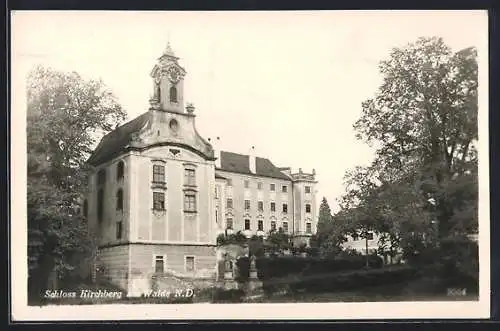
(65, 116)
(424, 120)
(422, 186)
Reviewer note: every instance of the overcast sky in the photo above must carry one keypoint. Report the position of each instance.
(289, 83)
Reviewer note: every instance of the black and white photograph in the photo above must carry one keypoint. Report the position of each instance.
(249, 165)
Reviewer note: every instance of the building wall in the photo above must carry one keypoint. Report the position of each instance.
(360, 244)
(105, 230)
(301, 199)
(173, 225)
(114, 265)
(238, 193)
(142, 258)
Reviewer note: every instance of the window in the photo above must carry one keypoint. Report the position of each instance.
(247, 204)
(272, 187)
(189, 263)
(308, 227)
(159, 264)
(190, 202)
(100, 205)
(229, 203)
(247, 224)
(273, 206)
(158, 201)
(158, 174)
(119, 199)
(189, 177)
(119, 229)
(259, 185)
(120, 170)
(216, 215)
(173, 94)
(229, 223)
(285, 227)
(85, 208)
(308, 189)
(216, 192)
(247, 184)
(284, 188)
(273, 225)
(285, 208)
(101, 177)
(229, 182)
(261, 206)
(260, 226)
(308, 208)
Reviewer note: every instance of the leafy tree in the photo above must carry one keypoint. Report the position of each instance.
(421, 188)
(424, 120)
(65, 116)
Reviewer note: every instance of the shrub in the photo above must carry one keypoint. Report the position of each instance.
(228, 296)
(288, 265)
(353, 280)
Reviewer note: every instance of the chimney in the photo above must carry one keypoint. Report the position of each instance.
(251, 160)
(216, 147)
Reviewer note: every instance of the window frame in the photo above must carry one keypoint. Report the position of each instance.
(260, 225)
(160, 174)
(189, 177)
(100, 205)
(307, 189)
(229, 221)
(308, 208)
(172, 94)
(273, 226)
(285, 229)
(272, 187)
(249, 224)
(190, 202)
(272, 207)
(119, 229)
(260, 205)
(308, 227)
(246, 183)
(247, 205)
(159, 194)
(186, 257)
(284, 188)
(284, 208)
(163, 259)
(120, 170)
(119, 199)
(229, 205)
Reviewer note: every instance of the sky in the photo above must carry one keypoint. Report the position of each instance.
(289, 83)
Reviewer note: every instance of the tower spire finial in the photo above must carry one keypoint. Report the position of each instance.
(168, 50)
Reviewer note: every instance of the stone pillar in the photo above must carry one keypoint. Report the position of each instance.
(254, 287)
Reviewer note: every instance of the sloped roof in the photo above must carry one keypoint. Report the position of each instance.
(114, 142)
(239, 163)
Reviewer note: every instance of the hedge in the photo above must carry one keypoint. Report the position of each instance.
(228, 296)
(340, 281)
(276, 267)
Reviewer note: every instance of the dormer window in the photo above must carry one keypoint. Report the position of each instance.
(173, 94)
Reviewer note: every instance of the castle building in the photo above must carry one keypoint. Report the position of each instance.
(160, 194)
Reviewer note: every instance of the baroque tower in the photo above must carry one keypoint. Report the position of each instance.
(168, 83)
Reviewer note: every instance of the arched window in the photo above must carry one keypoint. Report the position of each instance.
(85, 208)
(173, 94)
(100, 205)
(119, 199)
(120, 170)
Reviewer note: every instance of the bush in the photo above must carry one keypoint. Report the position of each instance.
(288, 265)
(228, 296)
(353, 280)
